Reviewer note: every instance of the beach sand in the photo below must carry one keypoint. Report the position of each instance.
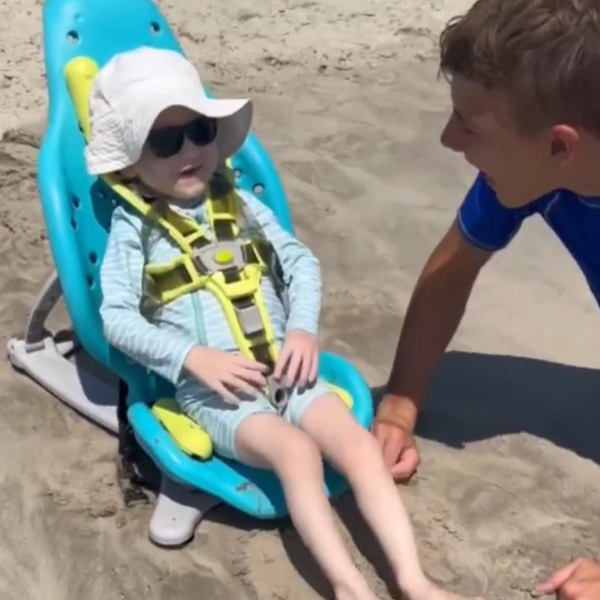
(349, 105)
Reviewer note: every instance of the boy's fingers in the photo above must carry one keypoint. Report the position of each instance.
(407, 465)
(552, 584)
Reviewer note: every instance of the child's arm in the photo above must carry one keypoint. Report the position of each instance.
(301, 269)
(125, 328)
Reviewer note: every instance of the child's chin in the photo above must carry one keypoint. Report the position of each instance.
(187, 190)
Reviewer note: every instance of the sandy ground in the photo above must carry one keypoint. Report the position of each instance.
(349, 106)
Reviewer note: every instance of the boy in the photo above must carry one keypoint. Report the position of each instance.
(525, 84)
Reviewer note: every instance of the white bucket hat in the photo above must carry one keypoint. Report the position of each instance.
(133, 88)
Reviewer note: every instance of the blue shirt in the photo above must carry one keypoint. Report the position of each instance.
(575, 219)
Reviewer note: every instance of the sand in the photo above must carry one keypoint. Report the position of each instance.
(349, 106)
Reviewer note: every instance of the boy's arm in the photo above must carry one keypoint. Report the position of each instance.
(301, 270)
(482, 227)
(125, 328)
(437, 305)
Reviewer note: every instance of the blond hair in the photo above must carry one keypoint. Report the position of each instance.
(545, 54)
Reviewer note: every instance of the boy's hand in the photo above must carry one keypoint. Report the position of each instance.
(393, 427)
(579, 580)
(222, 372)
(298, 360)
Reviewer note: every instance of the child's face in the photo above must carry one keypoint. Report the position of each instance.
(171, 163)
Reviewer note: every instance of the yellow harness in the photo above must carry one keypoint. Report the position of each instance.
(229, 265)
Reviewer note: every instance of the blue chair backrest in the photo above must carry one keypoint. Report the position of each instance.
(76, 207)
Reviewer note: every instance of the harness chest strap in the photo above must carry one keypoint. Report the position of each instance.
(229, 267)
(237, 289)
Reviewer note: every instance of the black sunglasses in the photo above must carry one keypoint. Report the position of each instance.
(168, 141)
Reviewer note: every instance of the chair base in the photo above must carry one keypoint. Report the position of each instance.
(55, 367)
(178, 513)
(66, 371)
(63, 368)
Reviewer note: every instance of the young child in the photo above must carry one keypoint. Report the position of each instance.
(153, 126)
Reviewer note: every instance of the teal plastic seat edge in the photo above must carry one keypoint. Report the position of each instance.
(253, 491)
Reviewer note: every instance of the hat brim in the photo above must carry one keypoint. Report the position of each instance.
(234, 116)
(234, 123)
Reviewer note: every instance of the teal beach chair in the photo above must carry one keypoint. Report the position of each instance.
(77, 210)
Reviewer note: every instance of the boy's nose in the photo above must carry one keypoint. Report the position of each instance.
(451, 138)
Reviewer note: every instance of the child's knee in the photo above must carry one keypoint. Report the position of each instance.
(299, 452)
(360, 449)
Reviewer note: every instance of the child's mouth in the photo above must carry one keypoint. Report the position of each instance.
(189, 171)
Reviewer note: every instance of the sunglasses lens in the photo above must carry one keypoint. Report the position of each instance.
(166, 142)
(202, 131)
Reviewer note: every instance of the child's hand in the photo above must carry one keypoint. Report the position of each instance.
(299, 359)
(222, 372)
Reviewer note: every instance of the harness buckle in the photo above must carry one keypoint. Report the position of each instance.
(215, 257)
(278, 394)
(198, 263)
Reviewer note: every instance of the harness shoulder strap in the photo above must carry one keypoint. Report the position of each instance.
(176, 227)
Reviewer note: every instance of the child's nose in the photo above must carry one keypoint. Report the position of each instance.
(189, 149)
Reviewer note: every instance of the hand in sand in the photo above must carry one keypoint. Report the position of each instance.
(393, 430)
(579, 580)
(299, 359)
(223, 372)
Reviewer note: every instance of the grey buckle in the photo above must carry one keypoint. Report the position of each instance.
(279, 395)
(249, 319)
(199, 263)
(205, 256)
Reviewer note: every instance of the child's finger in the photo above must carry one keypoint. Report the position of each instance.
(281, 362)
(314, 367)
(305, 370)
(252, 377)
(293, 368)
(243, 386)
(226, 394)
(254, 365)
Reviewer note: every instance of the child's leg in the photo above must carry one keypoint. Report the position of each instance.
(355, 453)
(267, 441)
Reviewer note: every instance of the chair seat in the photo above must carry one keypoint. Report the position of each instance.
(190, 437)
(256, 492)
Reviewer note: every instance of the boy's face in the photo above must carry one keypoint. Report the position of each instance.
(184, 174)
(519, 168)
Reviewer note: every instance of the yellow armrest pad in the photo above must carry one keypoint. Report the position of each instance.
(189, 436)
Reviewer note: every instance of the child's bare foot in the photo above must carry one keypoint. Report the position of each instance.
(433, 592)
(439, 594)
(353, 592)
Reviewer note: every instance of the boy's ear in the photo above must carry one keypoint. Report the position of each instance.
(564, 141)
